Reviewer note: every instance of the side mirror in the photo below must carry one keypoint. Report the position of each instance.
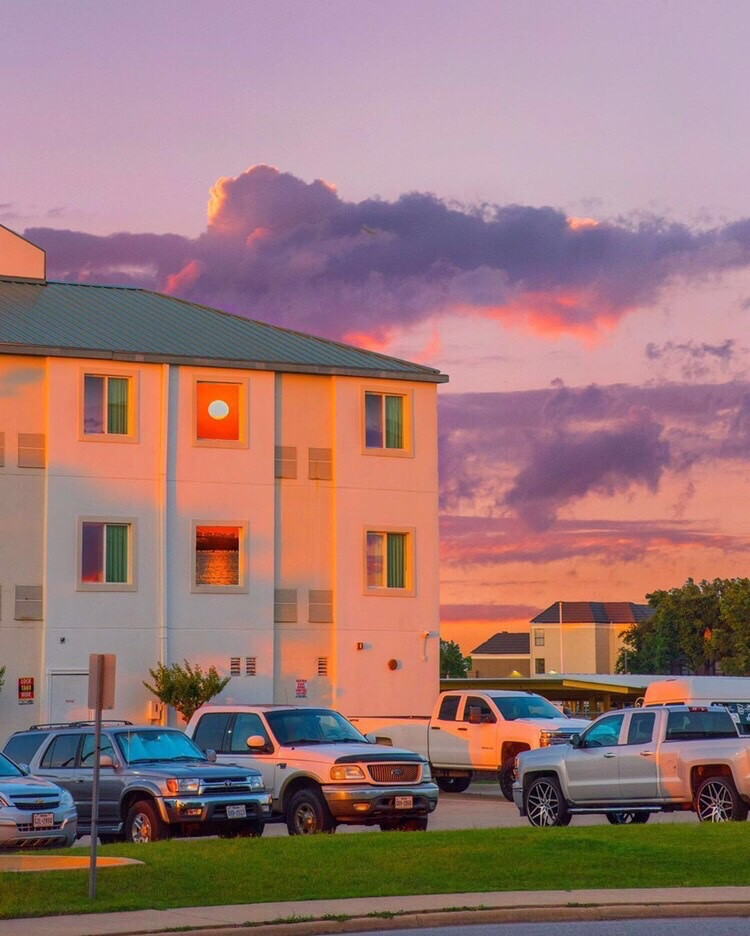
(256, 743)
(371, 738)
(106, 760)
(211, 756)
(24, 768)
(575, 741)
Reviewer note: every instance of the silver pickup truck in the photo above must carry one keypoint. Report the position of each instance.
(631, 763)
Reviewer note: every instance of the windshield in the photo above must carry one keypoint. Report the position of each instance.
(312, 726)
(8, 768)
(526, 706)
(146, 745)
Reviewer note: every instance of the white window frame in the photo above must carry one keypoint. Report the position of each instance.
(409, 588)
(407, 451)
(244, 404)
(129, 586)
(132, 376)
(240, 589)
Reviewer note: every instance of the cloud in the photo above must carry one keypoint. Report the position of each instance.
(694, 360)
(298, 254)
(567, 466)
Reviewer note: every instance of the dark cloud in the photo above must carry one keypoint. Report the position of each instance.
(568, 466)
(297, 254)
(694, 360)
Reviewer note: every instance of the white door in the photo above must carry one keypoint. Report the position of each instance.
(69, 697)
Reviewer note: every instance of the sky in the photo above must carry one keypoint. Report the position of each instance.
(548, 201)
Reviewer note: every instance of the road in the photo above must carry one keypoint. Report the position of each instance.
(714, 926)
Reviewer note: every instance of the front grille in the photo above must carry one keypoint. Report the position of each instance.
(28, 827)
(394, 773)
(226, 785)
(36, 804)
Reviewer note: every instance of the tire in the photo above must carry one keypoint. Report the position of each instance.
(717, 800)
(415, 824)
(544, 803)
(453, 784)
(143, 824)
(627, 818)
(109, 839)
(505, 775)
(307, 814)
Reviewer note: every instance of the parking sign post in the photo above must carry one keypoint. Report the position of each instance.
(101, 696)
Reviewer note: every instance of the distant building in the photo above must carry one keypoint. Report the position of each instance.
(181, 483)
(582, 636)
(504, 654)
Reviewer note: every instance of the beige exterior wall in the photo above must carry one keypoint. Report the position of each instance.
(302, 533)
(19, 258)
(499, 667)
(586, 648)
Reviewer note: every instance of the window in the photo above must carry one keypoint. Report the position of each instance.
(449, 708)
(538, 638)
(106, 409)
(387, 560)
(62, 752)
(384, 421)
(105, 553)
(605, 733)
(32, 450)
(480, 707)
(247, 724)
(539, 666)
(641, 727)
(320, 606)
(210, 731)
(219, 411)
(219, 557)
(87, 749)
(285, 605)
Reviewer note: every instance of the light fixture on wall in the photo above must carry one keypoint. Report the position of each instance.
(360, 645)
(393, 664)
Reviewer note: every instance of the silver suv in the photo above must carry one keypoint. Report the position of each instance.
(154, 781)
(34, 811)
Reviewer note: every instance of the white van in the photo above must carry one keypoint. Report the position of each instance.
(733, 692)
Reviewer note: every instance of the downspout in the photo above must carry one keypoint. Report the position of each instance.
(560, 618)
(163, 495)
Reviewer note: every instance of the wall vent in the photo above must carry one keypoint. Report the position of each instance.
(286, 461)
(250, 666)
(320, 463)
(2, 449)
(322, 666)
(321, 606)
(234, 666)
(31, 450)
(28, 603)
(285, 605)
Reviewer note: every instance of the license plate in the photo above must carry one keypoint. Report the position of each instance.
(236, 812)
(404, 802)
(43, 820)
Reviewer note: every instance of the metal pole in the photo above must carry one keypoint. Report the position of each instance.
(95, 791)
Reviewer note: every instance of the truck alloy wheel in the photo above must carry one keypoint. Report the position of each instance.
(506, 778)
(545, 805)
(143, 824)
(717, 800)
(307, 814)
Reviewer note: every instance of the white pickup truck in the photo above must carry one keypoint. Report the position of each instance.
(320, 770)
(473, 731)
(631, 763)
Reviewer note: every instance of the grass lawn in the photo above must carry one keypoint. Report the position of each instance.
(202, 872)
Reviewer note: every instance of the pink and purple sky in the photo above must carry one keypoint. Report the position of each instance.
(546, 200)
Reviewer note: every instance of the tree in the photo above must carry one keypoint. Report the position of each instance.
(699, 627)
(186, 687)
(452, 663)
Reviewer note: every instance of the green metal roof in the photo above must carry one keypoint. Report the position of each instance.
(76, 320)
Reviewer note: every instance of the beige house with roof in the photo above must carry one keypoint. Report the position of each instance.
(180, 483)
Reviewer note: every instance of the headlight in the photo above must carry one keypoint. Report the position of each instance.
(183, 785)
(347, 772)
(66, 799)
(426, 772)
(255, 782)
(544, 738)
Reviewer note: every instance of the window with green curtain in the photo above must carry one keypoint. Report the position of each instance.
(117, 405)
(394, 422)
(396, 560)
(116, 553)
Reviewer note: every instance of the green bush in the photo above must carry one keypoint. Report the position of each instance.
(186, 687)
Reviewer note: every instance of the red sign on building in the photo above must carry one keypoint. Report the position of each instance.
(25, 690)
(301, 691)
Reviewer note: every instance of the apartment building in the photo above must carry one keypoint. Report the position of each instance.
(180, 483)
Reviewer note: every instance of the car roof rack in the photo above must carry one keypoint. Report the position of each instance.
(79, 724)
